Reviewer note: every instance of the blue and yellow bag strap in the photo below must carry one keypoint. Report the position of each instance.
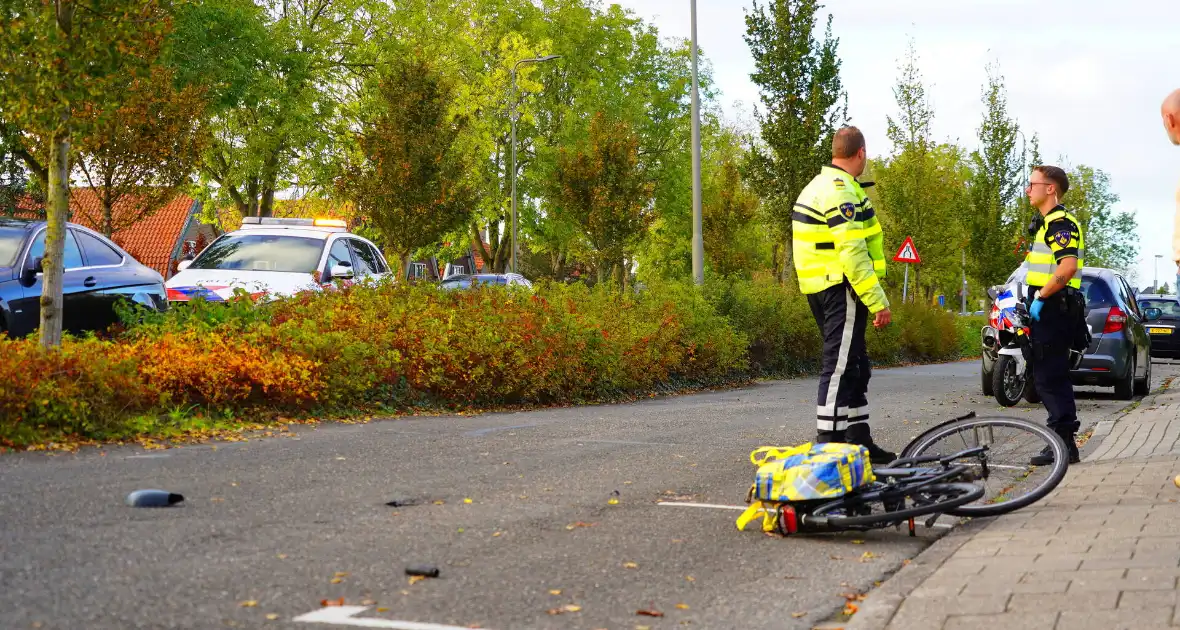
(768, 511)
(762, 454)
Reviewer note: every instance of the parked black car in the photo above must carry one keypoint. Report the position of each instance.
(98, 273)
(1119, 355)
(1163, 325)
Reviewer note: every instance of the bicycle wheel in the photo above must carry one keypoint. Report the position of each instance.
(1009, 481)
(849, 512)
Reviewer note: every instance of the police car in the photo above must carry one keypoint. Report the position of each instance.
(271, 257)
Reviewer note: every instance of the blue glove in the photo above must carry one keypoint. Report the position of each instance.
(1035, 310)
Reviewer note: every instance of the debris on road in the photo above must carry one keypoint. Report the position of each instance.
(423, 570)
(153, 498)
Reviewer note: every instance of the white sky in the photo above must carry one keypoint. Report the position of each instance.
(1087, 76)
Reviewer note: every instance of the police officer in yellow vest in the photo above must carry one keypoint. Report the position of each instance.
(1054, 279)
(839, 258)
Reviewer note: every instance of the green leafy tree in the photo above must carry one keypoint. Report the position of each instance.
(601, 187)
(14, 176)
(798, 76)
(994, 248)
(59, 59)
(734, 240)
(411, 178)
(920, 189)
(277, 73)
(1112, 237)
(145, 152)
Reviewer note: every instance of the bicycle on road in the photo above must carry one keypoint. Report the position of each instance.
(966, 467)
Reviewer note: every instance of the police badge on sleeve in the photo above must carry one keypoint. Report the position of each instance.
(848, 210)
(1062, 238)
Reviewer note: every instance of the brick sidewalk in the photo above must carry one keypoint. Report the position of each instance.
(1102, 551)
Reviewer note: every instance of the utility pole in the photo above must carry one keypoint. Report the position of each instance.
(963, 302)
(698, 237)
(512, 170)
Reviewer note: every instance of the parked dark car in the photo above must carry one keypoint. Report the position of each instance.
(1163, 320)
(97, 274)
(464, 281)
(1119, 354)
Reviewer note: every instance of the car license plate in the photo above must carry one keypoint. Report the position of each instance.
(1159, 331)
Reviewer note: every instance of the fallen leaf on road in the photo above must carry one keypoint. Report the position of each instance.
(867, 556)
(367, 602)
(649, 613)
(332, 602)
(217, 499)
(798, 614)
(627, 483)
(414, 579)
(690, 578)
(272, 616)
(573, 526)
(336, 580)
(630, 565)
(440, 502)
(249, 603)
(836, 557)
(339, 459)
(682, 606)
(467, 500)
(460, 530)
(340, 574)
(858, 542)
(642, 627)
(850, 608)
(572, 608)
(382, 610)
(281, 556)
(555, 591)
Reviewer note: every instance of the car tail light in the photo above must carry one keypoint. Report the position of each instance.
(1114, 320)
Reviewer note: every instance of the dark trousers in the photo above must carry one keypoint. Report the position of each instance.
(1051, 338)
(844, 380)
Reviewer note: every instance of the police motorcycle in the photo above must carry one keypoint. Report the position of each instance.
(1006, 346)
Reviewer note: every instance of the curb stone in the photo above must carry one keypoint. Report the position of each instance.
(882, 602)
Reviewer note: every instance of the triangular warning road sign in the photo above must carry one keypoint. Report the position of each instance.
(907, 253)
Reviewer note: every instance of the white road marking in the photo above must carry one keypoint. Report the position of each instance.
(702, 505)
(344, 616)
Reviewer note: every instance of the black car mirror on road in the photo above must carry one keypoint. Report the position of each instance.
(28, 275)
(1152, 313)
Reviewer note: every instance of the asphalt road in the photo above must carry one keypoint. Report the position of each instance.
(283, 523)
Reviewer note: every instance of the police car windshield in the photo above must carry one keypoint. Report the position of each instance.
(262, 252)
(10, 242)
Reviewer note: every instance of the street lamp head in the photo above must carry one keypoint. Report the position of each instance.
(549, 58)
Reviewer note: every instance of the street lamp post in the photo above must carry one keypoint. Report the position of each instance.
(512, 116)
(1156, 279)
(698, 237)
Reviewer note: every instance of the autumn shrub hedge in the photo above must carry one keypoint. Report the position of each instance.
(367, 348)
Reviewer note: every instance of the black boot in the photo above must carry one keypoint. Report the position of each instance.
(858, 433)
(1045, 457)
(823, 437)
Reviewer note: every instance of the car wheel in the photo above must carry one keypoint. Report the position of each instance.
(1124, 389)
(1143, 388)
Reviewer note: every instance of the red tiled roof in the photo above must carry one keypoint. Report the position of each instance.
(151, 240)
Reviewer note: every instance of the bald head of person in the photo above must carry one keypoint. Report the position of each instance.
(1170, 111)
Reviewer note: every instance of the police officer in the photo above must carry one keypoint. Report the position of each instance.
(1054, 277)
(839, 258)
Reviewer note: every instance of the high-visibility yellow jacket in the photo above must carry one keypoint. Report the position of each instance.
(1059, 238)
(836, 235)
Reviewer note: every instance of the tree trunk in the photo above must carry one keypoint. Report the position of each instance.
(774, 268)
(57, 208)
(784, 274)
(405, 260)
